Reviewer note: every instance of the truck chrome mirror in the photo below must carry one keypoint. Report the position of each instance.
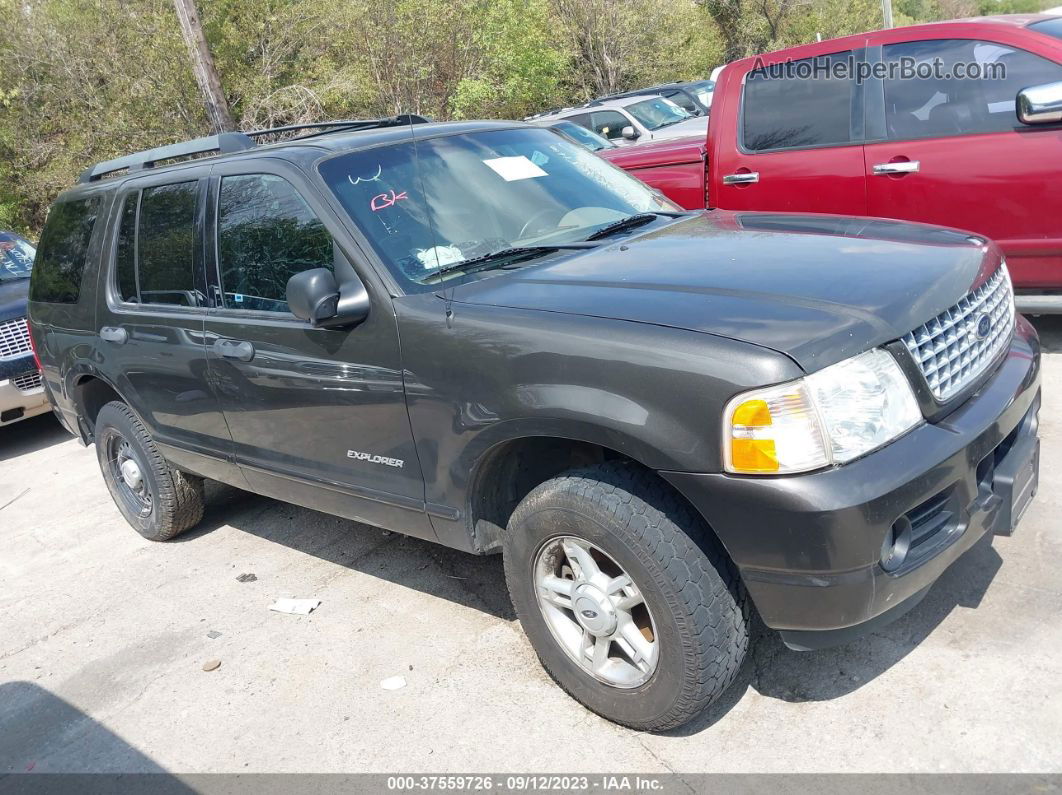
(1040, 104)
(629, 133)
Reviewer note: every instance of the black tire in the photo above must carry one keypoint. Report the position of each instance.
(689, 585)
(176, 498)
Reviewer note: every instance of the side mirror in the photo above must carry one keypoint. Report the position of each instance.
(314, 296)
(1040, 104)
(630, 133)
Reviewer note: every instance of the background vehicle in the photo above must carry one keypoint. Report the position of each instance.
(631, 120)
(944, 150)
(658, 417)
(21, 393)
(580, 135)
(695, 96)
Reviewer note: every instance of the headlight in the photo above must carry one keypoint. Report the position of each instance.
(829, 417)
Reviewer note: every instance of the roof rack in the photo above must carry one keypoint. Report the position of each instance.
(230, 142)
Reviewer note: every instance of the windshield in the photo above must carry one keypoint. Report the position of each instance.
(16, 257)
(588, 138)
(429, 204)
(656, 113)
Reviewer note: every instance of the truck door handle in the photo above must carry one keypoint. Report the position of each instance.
(902, 167)
(744, 178)
(234, 349)
(115, 334)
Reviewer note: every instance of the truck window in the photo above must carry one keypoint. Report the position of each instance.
(266, 234)
(166, 245)
(798, 104)
(949, 103)
(61, 256)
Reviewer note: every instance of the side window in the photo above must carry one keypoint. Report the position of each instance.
(609, 123)
(166, 245)
(948, 87)
(63, 250)
(125, 252)
(266, 234)
(582, 119)
(797, 104)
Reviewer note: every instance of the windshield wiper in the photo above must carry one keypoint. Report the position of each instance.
(631, 222)
(512, 254)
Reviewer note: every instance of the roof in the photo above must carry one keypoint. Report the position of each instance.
(1000, 20)
(228, 146)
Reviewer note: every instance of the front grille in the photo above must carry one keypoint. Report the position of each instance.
(27, 382)
(956, 346)
(14, 338)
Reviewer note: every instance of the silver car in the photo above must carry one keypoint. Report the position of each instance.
(633, 120)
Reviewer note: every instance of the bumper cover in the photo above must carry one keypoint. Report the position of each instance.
(20, 403)
(809, 547)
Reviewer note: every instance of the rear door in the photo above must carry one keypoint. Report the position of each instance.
(317, 416)
(948, 149)
(151, 321)
(794, 140)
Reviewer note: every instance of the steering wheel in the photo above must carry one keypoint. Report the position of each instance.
(538, 218)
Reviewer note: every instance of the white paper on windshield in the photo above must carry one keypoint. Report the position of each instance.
(513, 168)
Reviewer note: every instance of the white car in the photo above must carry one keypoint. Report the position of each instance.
(634, 120)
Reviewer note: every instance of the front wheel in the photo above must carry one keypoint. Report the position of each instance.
(159, 501)
(630, 603)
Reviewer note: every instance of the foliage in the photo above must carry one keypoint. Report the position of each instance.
(86, 80)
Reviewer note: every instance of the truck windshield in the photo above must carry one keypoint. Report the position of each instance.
(656, 113)
(16, 257)
(434, 202)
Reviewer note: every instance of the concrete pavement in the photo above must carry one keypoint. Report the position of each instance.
(103, 638)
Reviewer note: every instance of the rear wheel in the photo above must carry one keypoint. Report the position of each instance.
(160, 502)
(630, 603)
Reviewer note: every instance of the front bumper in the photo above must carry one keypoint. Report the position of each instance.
(809, 547)
(21, 392)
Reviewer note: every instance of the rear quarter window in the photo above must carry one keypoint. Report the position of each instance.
(63, 251)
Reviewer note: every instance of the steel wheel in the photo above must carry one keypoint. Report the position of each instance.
(596, 612)
(128, 475)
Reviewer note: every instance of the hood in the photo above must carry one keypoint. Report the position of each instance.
(13, 296)
(698, 125)
(818, 288)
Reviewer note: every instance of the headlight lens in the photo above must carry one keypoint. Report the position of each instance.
(829, 417)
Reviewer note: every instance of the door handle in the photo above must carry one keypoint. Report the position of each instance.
(745, 178)
(234, 349)
(902, 167)
(115, 334)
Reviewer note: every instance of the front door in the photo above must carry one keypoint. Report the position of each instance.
(953, 152)
(317, 416)
(794, 141)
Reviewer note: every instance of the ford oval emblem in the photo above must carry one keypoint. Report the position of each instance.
(984, 326)
(589, 614)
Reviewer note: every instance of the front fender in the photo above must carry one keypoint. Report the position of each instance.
(486, 375)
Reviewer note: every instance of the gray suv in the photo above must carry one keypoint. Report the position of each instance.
(636, 119)
(483, 335)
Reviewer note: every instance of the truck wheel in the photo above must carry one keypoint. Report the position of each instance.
(160, 502)
(629, 601)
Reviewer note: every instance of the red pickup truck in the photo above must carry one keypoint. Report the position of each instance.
(954, 123)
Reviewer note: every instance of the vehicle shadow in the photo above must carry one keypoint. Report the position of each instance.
(42, 734)
(1049, 327)
(30, 436)
(472, 581)
(775, 671)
